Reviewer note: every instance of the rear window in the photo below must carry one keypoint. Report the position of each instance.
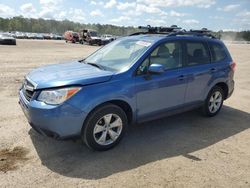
(218, 52)
(197, 53)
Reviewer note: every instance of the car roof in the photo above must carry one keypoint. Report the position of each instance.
(153, 38)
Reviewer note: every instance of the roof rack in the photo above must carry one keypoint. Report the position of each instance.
(201, 33)
(174, 30)
(157, 30)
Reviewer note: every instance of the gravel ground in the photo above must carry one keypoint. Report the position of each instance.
(186, 150)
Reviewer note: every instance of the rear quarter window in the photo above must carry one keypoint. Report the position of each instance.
(217, 51)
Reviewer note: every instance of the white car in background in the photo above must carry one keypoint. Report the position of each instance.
(7, 39)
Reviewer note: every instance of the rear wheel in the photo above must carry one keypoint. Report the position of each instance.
(105, 127)
(213, 102)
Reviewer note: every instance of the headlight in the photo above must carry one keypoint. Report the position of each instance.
(57, 96)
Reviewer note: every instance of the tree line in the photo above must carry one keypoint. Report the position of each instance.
(53, 26)
(40, 25)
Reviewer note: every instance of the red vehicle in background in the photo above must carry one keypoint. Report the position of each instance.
(71, 36)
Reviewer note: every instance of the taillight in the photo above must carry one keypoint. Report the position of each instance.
(233, 66)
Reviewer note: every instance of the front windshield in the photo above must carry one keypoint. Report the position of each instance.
(119, 55)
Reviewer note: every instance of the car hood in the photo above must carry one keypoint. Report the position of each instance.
(73, 73)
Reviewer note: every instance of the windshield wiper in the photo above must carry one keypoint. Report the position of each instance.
(95, 65)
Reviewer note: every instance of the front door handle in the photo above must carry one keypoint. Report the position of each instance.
(213, 69)
(181, 77)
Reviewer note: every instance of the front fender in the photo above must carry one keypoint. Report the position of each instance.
(94, 95)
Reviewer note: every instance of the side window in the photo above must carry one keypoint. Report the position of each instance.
(197, 53)
(218, 52)
(167, 54)
(143, 68)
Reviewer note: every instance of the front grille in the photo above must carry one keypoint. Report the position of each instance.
(28, 89)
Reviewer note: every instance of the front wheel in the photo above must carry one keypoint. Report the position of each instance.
(213, 102)
(105, 127)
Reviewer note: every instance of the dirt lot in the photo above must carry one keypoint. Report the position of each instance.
(186, 150)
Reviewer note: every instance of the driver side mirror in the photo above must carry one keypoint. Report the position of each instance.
(156, 69)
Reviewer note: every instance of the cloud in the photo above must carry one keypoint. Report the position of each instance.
(121, 18)
(77, 15)
(147, 9)
(178, 3)
(6, 11)
(191, 21)
(49, 9)
(93, 3)
(27, 8)
(244, 14)
(96, 13)
(126, 5)
(62, 15)
(110, 4)
(47, 14)
(177, 14)
(216, 17)
(229, 8)
(243, 19)
(28, 11)
(155, 22)
(50, 3)
(96, 3)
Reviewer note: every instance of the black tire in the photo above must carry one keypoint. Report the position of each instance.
(205, 108)
(92, 120)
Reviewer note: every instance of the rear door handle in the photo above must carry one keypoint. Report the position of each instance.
(181, 77)
(213, 69)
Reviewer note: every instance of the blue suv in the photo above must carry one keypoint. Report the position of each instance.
(133, 79)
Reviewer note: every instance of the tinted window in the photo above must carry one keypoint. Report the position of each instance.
(218, 52)
(197, 53)
(167, 54)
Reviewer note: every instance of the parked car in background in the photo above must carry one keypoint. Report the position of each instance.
(71, 36)
(57, 37)
(90, 37)
(39, 36)
(19, 35)
(107, 39)
(31, 35)
(133, 79)
(47, 36)
(7, 39)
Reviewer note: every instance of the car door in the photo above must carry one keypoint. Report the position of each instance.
(198, 70)
(156, 93)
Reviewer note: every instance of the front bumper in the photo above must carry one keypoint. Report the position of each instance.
(60, 121)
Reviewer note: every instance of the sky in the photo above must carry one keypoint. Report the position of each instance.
(189, 14)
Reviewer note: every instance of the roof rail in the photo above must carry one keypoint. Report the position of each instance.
(157, 30)
(204, 32)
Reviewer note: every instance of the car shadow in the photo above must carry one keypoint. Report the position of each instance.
(181, 134)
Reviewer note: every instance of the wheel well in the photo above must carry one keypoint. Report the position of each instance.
(123, 105)
(224, 87)
(126, 107)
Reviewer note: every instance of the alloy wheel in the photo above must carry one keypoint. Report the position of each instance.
(107, 129)
(215, 102)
